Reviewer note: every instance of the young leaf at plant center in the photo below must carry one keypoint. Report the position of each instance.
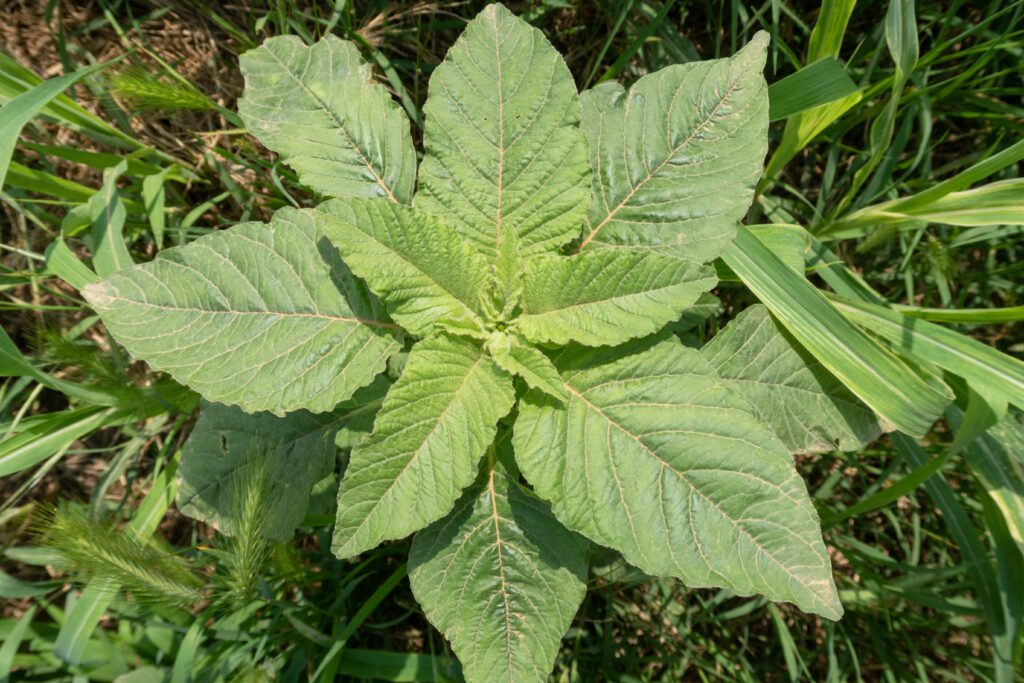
(517, 357)
(787, 388)
(504, 152)
(265, 317)
(426, 445)
(606, 297)
(319, 108)
(506, 279)
(655, 457)
(426, 274)
(294, 452)
(676, 158)
(506, 627)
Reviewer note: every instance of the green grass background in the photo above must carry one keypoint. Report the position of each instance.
(927, 569)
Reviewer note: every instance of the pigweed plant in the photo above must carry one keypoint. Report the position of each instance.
(504, 317)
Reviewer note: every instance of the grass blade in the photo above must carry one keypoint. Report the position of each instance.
(814, 85)
(997, 461)
(42, 440)
(992, 374)
(360, 616)
(13, 641)
(878, 377)
(19, 111)
(983, 575)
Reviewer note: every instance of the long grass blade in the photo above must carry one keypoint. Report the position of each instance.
(991, 373)
(882, 380)
(814, 85)
(20, 110)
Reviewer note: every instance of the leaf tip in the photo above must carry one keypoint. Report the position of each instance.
(754, 54)
(824, 599)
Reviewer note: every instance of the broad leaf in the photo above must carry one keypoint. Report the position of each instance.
(655, 457)
(319, 108)
(676, 158)
(517, 357)
(606, 297)
(427, 442)
(293, 453)
(504, 152)
(424, 272)
(787, 388)
(501, 578)
(261, 316)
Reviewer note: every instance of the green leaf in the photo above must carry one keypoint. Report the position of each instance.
(426, 274)
(294, 452)
(516, 357)
(606, 297)
(54, 433)
(107, 215)
(13, 363)
(319, 108)
(504, 153)
(20, 110)
(261, 316)
(997, 460)
(984, 581)
(902, 395)
(501, 578)
(816, 84)
(427, 441)
(998, 203)
(655, 457)
(703, 308)
(676, 158)
(788, 242)
(787, 388)
(997, 376)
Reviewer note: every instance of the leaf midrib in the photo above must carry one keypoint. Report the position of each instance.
(507, 612)
(640, 293)
(657, 169)
(695, 489)
(277, 314)
(415, 453)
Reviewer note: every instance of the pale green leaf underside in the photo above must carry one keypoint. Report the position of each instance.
(791, 392)
(675, 159)
(655, 457)
(504, 152)
(319, 108)
(292, 452)
(605, 297)
(427, 441)
(517, 357)
(502, 579)
(425, 273)
(261, 316)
